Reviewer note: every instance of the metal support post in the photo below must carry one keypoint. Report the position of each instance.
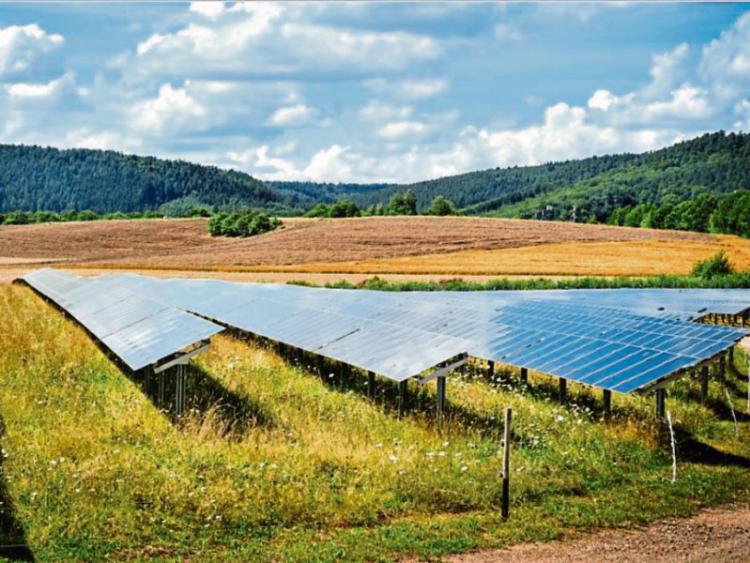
(524, 376)
(402, 389)
(704, 383)
(607, 400)
(148, 378)
(179, 408)
(661, 395)
(371, 384)
(505, 510)
(441, 395)
(490, 369)
(162, 385)
(563, 389)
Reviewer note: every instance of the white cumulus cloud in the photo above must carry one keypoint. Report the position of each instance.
(725, 62)
(172, 108)
(400, 129)
(21, 46)
(210, 9)
(292, 115)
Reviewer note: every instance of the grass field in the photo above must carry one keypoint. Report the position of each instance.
(277, 463)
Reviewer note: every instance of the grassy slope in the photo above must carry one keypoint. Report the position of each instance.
(94, 469)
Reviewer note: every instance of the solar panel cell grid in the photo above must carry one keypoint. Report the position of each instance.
(579, 334)
(137, 330)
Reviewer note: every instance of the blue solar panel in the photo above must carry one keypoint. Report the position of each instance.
(394, 351)
(558, 333)
(139, 331)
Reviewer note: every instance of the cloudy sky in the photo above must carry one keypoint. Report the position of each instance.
(371, 92)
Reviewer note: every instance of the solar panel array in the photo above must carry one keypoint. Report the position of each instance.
(394, 351)
(138, 330)
(684, 304)
(400, 334)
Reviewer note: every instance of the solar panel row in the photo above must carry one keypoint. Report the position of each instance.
(684, 304)
(600, 346)
(139, 331)
(396, 352)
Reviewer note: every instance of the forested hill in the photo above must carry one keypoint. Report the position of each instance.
(590, 189)
(710, 165)
(36, 178)
(487, 190)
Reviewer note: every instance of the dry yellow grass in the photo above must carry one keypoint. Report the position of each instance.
(397, 248)
(631, 258)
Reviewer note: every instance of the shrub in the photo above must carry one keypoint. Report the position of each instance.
(17, 218)
(45, 217)
(86, 215)
(402, 204)
(441, 206)
(200, 212)
(344, 208)
(241, 223)
(717, 265)
(318, 210)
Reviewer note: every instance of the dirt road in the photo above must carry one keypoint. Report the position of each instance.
(721, 534)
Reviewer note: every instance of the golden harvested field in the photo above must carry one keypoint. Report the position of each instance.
(394, 247)
(633, 258)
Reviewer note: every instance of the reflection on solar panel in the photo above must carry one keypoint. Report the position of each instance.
(684, 304)
(139, 331)
(399, 334)
(398, 352)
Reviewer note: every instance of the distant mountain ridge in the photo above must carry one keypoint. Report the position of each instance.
(589, 189)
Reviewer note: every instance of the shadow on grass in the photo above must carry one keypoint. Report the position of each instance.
(13, 545)
(689, 448)
(421, 400)
(204, 394)
(239, 412)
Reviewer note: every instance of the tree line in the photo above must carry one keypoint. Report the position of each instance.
(729, 214)
(26, 218)
(400, 203)
(714, 164)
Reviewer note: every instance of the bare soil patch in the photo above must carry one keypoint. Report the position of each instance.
(185, 244)
(720, 534)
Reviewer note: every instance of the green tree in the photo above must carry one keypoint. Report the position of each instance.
(86, 215)
(717, 265)
(732, 215)
(441, 206)
(45, 217)
(344, 208)
(17, 218)
(243, 223)
(402, 204)
(318, 210)
(635, 216)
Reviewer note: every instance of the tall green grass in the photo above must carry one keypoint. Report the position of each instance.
(278, 463)
(727, 281)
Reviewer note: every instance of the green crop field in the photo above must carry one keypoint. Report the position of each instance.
(275, 462)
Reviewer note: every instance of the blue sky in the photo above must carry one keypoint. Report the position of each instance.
(371, 91)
